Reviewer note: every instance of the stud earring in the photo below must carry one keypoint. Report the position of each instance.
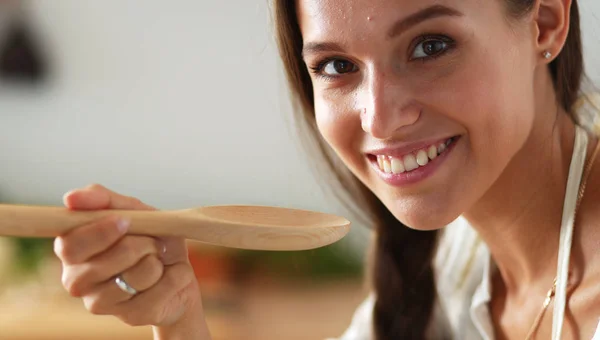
(547, 55)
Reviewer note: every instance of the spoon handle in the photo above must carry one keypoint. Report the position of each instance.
(47, 221)
(255, 230)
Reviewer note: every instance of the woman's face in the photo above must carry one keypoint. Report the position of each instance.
(425, 101)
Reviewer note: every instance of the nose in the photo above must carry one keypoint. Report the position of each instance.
(388, 106)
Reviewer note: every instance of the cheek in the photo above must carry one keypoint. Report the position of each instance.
(339, 125)
(489, 100)
(506, 113)
(329, 120)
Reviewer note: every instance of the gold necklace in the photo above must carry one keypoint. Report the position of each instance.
(552, 291)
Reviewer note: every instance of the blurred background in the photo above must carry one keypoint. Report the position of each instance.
(181, 104)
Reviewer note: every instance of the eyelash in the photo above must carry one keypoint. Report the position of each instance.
(450, 44)
(318, 68)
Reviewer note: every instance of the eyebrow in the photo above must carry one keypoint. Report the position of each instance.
(428, 13)
(316, 47)
(399, 27)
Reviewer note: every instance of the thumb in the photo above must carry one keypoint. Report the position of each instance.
(97, 197)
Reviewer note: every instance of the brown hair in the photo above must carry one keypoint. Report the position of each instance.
(402, 260)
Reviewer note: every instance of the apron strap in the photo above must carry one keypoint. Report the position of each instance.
(566, 230)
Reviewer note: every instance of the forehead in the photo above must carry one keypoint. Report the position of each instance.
(358, 18)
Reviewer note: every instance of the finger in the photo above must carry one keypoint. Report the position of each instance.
(141, 277)
(163, 299)
(95, 197)
(82, 243)
(125, 254)
(174, 250)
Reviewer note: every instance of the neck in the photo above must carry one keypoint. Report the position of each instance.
(524, 207)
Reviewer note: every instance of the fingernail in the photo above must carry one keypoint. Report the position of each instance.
(162, 249)
(123, 225)
(67, 194)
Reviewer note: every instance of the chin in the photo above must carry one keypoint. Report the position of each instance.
(420, 216)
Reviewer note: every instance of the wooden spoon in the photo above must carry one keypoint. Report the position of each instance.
(234, 226)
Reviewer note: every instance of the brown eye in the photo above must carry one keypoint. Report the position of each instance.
(337, 67)
(430, 48)
(433, 47)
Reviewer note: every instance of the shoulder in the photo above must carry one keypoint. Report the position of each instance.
(459, 253)
(597, 334)
(458, 265)
(587, 112)
(361, 326)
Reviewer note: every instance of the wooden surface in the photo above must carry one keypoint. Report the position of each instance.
(260, 311)
(244, 227)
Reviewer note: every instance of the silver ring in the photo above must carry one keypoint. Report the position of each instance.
(124, 286)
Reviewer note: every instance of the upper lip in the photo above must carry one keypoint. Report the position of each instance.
(400, 149)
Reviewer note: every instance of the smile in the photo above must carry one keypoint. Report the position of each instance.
(410, 167)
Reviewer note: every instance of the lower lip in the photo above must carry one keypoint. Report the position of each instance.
(417, 175)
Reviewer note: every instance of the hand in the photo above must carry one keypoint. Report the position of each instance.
(158, 268)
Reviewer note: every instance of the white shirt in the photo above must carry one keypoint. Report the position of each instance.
(463, 267)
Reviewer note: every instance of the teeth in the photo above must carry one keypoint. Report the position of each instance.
(397, 166)
(432, 152)
(387, 166)
(411, 161)
(422, 158)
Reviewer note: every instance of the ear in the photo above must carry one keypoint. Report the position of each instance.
(552, 19)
